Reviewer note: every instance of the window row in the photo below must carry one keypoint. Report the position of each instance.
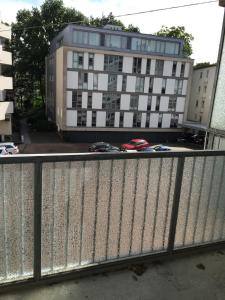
(114, 63)
(112, 82)
(124, 42)
(81, 118)
(115, 101)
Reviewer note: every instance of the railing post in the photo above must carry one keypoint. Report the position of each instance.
(176, 201)
(37, 218)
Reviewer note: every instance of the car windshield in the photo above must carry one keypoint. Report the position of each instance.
(133, 143)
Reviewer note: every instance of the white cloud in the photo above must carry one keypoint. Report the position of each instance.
(203, 21)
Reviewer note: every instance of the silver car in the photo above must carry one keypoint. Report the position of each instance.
(10, 147)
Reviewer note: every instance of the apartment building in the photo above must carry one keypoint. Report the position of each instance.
(104, 82)
(217, 121)
(6, 106)
(201, 95)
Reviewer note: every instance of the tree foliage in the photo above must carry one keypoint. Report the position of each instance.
(202, 65)
(180, 33)
(31, 36)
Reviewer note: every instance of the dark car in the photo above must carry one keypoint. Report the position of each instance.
(135, 144)
(103, 147)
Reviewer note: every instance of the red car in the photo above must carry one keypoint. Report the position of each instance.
(135, 144)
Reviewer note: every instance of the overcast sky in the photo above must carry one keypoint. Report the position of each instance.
(204, 22)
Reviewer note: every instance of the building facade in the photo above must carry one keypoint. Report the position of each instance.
(101, 80)
(6, 106)
(201, 95)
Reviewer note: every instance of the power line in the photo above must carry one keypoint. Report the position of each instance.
(118, 16)
(165, 8)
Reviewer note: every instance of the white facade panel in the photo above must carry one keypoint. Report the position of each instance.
(119, 83)
(180, 104)
(180, 119)
(100, 118)
(99, 62)
(71, 118)
(146, 86)
(153, 104)
(125, 102)
(166, 120)
(131, 83)
(128, 120)
(170, 85)
(154, 119)
(69, 59)
(84, 99)
(103, 82)
(127, 64)
(117, 119)
(178, 69)
(90, 81)
(143, 102)
(152, 69)
(143, 65)
(168, 65)
(164, 102)
(89, 118)
(69, 99)
(97, 100)
(85, 60)
(187, 69)
(184, 89)
(157, 86)
(72, 80)
(143, 120)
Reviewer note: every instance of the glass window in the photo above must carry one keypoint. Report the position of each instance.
(137, 65)
(170, 48)
(89, 104)
(159, 67)
(174, 121)
(90, 61)
(136, 44)
(149, 103)
(151, 82)
(115, 41)
(112, 82)
(178, 86)
(111, 101)
(93, 118)
(160, 47)
(137, 119)
(134, 102)
(81, 118)
(113, 63)
(82, 80)
(139, 84)
(94, 38)
(121, 119)
(76, 99)
(124, 83)
(174, 68)
(148, 66)
(160, 120)
(163, 91)
(157, 103)
(95, 81)
(110, 119)
(182, 70)
(172, 103)
(78, 60)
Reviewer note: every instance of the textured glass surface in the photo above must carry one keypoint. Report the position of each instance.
(16, 221)
(201, 209)
(218, 115)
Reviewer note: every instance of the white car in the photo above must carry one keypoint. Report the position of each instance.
(3, 151)
(10, 148)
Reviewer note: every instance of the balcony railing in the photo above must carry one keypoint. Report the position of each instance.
(64, 214)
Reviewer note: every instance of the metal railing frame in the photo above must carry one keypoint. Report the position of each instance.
(38, 160)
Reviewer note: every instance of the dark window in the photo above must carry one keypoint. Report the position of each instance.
(134, 102)
(163, 91)
(174, 68)
(137, 119)
(172, 103)
(78, 59)
(111, 101)
(148, 67)
(76, 99)
(112, 82)
(89, 104)
(149, 103)
(90, 61)
(151, 81)
(147, 120)
(139, 84)
(182, 70)
(159, 67)
(160, 121)
(137, 65)
(110, 118)
(157, 103)
(121, 119)
(94, 118)
(124, 83)
(81, 118)
(196, 104)
(174, 121)
(82, 80)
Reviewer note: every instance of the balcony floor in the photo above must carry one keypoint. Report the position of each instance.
(199, 276)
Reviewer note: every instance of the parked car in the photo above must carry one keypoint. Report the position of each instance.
(103, 147)
(135, 144)
(148, 149)
(10, 148)
(161, 148)
(3, 151)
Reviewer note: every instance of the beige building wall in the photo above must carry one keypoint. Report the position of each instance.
(201, 95)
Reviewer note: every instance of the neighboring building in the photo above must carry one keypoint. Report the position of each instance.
(201, 96)
(217, 120)
(101, 80)
(6, 106)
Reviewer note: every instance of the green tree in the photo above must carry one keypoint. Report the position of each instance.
(180, 33)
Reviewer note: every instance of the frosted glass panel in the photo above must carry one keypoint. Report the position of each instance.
(16, 221)
(218, 115)
(201, 209)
